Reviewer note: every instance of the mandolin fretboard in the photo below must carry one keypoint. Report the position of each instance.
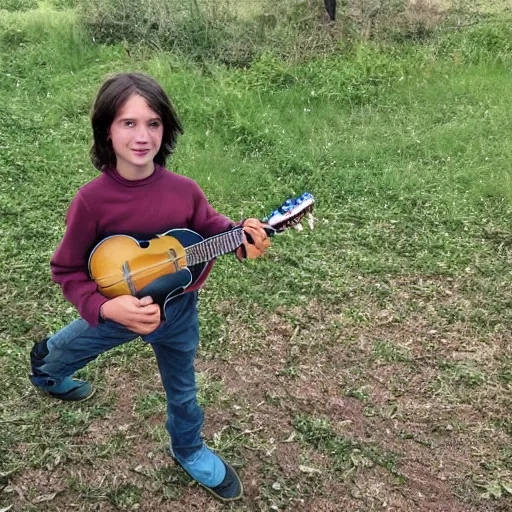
(215, 246)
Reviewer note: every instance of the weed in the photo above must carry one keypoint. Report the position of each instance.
(150, 404)
(359, 394)
(347, 455)
(125, 497)
(209, 390)
(463, 374)
(18, 5)
(390, 353)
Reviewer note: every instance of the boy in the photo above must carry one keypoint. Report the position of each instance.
(135, 129)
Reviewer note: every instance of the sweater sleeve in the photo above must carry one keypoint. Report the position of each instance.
(206, 220)
(69, 263)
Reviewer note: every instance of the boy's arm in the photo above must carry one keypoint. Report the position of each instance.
(69, 263)
(206, 220)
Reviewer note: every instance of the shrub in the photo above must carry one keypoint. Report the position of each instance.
(213, 29)
(18, 5)
(492, 40)
(201, 31)
(292, 30)
(395, 19)
(64, 4)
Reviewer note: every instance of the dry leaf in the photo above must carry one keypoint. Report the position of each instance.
(45, 497)
(309, 471)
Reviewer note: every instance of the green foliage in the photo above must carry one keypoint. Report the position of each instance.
(125, 497)
(11, 35)
(407, 149)
(18, 5)
(347, 454)
(201, 31)
(61, 41)
(215, 31)
(400, 20)
(64, 4)
(488, 41)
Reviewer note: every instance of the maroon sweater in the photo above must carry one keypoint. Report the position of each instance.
(110, 205)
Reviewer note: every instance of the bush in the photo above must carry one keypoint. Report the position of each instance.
(492, 40)
(64, 4)
(201, 31)
(112, 21)
(18, 5)
(393, 19)
(214, 29)
(355, 77)
(291, 30)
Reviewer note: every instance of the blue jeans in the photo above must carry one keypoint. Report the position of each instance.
(175, 344)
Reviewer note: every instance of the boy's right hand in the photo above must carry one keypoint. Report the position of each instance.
(138, 315)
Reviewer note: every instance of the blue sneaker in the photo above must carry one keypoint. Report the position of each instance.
(66, 389)
(213, 473)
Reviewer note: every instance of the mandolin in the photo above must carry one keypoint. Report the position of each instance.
(165, 265)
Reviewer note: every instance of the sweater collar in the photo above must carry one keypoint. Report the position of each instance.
(157, 173)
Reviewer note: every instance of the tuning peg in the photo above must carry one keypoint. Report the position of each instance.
(311, 221)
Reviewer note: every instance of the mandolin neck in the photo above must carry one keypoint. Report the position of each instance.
(214, 246)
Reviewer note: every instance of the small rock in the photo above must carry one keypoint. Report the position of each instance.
(309, 471)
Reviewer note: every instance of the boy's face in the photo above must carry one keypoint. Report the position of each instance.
(136, 135)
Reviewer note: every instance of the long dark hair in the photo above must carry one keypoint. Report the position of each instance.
(111, 97)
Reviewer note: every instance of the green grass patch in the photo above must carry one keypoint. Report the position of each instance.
(407, 150)
(347, 455)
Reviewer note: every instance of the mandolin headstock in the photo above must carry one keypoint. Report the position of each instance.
(291, 213)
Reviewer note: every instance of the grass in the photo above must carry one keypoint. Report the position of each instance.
(364, 363)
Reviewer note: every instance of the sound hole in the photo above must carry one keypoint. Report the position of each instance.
(144, 244)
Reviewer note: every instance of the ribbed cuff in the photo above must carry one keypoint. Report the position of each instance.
(91, 313)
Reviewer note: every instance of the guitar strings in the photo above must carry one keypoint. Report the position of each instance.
(136, 273)
(203, 250)
(194, 250)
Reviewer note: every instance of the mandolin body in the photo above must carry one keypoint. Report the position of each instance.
(164, 266)
(157, 266)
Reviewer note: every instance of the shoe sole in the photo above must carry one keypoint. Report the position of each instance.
(57, 397)
(210, 490)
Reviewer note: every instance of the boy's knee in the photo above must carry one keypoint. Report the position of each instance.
(186, 341)
(38, 354)
(183, 399)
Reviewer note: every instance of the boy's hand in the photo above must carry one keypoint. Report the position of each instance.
(138, 315)
(256, 241)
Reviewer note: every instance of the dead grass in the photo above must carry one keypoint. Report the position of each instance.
(319, 409)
